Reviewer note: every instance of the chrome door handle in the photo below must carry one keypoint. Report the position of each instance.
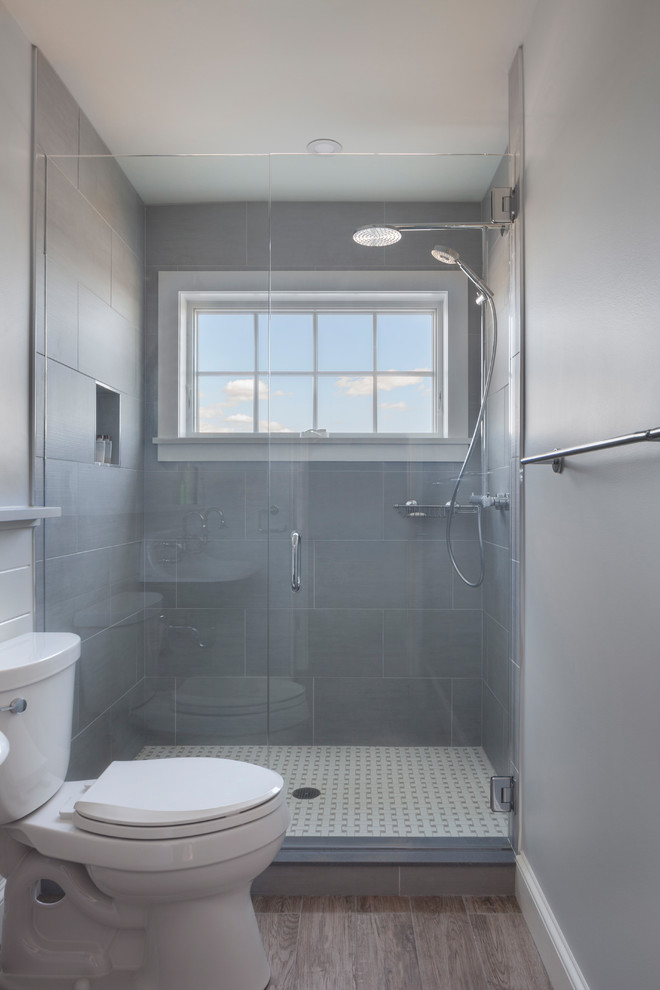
(295, 561)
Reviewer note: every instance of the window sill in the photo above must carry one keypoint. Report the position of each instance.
(277, 447)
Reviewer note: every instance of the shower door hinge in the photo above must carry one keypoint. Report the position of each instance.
(503, 205)
(501, 794)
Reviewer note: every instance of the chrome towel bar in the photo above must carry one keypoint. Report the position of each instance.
(557, 456)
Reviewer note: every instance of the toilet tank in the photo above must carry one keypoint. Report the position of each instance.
(38, 668)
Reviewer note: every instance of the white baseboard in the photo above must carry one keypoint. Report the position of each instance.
(563, 971)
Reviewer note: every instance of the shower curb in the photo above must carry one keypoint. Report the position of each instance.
(357, 869)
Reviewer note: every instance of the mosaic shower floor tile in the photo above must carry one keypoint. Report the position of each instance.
(379, 791)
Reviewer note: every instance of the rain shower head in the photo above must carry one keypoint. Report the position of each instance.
(372, 236)
(444, 254)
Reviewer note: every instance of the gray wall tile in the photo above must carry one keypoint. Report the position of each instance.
(395, 711)
(62, 310)
(127, 281)
(200, 642)
(197, 236)
(103, 183)
(77, 236)
(432, 643)
(466, 702)
(110, 346)
(497, 659)
(71, 414)
(57, 114)
(107, 669)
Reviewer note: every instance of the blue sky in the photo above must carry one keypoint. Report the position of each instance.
(357, 354)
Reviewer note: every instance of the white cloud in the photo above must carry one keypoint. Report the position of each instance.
(355, 386)
(393, 405)
(239, 418)
(242, 390)
(363, 386)
(273, 427)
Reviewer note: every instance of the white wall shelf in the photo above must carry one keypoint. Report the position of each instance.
(19, 516)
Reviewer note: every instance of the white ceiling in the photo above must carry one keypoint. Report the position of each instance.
(259, 77)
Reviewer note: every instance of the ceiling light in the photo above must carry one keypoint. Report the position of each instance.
(324, 146)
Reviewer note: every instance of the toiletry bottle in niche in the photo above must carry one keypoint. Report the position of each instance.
(99, 450)
(108, 449)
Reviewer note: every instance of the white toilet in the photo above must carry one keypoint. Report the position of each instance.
(139, 880)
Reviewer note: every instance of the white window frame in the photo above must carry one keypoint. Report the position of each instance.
(178, 291)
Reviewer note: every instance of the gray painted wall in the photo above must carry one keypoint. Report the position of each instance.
(591, 696)
(16, 597)
(89, 279)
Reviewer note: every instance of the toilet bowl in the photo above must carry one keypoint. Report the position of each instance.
(139, 880)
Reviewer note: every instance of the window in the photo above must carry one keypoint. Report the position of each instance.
(341, 366)
(378, 359)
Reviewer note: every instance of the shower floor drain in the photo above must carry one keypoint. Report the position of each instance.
(305, 793)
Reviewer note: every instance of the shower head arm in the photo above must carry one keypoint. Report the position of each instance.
(406, 228)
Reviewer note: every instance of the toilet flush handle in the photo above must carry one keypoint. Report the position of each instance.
(17, 706)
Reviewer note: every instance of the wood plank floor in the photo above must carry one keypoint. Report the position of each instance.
(398, 943)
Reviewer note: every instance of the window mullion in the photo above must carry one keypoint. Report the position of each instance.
(374, 378)
(255, 397)
(315, 366)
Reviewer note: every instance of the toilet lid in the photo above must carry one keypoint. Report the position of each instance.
(177, 791)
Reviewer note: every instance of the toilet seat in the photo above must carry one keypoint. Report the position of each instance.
(170, 798)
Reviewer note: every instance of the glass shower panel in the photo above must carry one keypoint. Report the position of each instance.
(153, 273)
(377, 658)
(257, 569)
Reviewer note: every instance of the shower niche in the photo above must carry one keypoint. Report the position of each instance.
(108, 419)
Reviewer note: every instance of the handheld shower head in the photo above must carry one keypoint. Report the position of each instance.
(371, 236)
(450, 257)
(444, 254)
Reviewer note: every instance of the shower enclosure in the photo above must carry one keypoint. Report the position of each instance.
(257, 563)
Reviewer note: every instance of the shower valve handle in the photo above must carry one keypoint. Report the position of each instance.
(295, 561)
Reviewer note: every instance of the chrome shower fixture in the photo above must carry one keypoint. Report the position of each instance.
(377, 236)
(448, 256)
(444, 254)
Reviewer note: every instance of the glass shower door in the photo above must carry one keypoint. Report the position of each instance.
(375, 646)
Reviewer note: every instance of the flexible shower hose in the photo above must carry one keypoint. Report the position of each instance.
(473, 442)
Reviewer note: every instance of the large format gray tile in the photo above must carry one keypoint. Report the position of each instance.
(496, 651)
(432, 643)
(306, 235)
(277, 642)
(369, 711)
(77, 236)
(201, 642)
(71, 414)
(345, 504)
(74, 582)
(103, 183)
(495, 732)
(361, 574)
(107, 669)
(110, 503)
(345, 642)
(62, 312)
(56, 124)
(497, 584)
(466, 710)
(61, 488)
(196, 235)
(109, 346)
(127, 281)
